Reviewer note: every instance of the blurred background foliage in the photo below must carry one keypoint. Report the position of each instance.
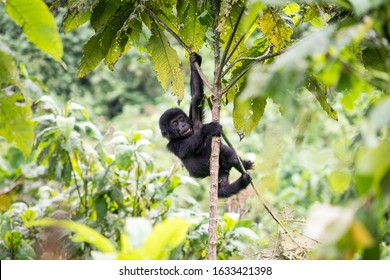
(90, 149)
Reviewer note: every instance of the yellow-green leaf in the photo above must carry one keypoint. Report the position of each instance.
(16, 125)
(166, 62)
(277, 31)
(291, 8)
(339, 180)
(165, 237)
(34, 17)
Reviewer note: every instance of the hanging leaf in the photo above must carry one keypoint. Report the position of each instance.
(127, 36)
(193, 31)
(166, 62)
(247, 114)
(315, 88)
(78, 13)
(103, 42)
(277, 31)
(34, 17)
(102, 12)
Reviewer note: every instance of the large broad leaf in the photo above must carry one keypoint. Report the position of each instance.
(103, 43)
(16, 125)
(165, 237)
(275, 29)
(78, 13)
(247, 114)
(193, 32)
(102, 12)
(166, 62)
(34, 17)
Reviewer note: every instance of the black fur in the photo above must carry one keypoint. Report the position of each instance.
(190, 140)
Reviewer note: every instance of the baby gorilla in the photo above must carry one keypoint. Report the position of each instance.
(190, 140)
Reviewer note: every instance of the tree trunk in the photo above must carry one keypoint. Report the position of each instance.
(216, 143)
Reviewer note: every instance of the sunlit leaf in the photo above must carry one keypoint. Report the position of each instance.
(275, 29)
(166, 62)
(291, 8)
(34, 17)
(78, 13)
(229, 221)
(193, 31)
(165, 237)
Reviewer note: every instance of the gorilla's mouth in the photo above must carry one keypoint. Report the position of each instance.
(187, 132)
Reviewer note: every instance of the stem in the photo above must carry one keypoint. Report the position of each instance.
(229, 43)
(243, 72)
(234, 48)
(166, 27)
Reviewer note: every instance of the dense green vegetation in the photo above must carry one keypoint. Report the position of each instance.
(83, 168)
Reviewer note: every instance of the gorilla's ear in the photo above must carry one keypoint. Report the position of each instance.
(165, 134)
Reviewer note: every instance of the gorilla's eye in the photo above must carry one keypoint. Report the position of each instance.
(175, 123)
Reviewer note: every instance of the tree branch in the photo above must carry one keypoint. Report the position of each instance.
(246, 58)
(166, 27)
(229, 43)
(243, 72)
(235, 47)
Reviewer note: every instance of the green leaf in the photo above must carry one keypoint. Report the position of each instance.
(193, 31)
(83, 233)
(103, 42)
(165, 237)
(316, 89)
(230, 220)
(16, 125)
(101, 207)
(78, 13)
(247, 113)
(34, 17)
(166, 62)
(127, 36)
(13, 240)
(102, 12)
(8, 69)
